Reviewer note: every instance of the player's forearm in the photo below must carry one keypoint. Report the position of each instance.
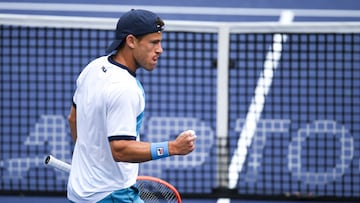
(136, 152)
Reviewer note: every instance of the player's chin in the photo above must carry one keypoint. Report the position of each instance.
(150, 67)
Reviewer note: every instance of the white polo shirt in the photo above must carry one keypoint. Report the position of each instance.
(109, 106)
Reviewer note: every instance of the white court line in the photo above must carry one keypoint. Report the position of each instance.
(257, 104)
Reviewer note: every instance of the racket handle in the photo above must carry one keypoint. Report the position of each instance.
(58, 164)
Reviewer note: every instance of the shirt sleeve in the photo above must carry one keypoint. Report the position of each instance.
(122, 110)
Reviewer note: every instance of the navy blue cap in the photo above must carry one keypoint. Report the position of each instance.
(137, 23)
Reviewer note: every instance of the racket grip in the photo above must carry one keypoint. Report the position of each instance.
(58, 164)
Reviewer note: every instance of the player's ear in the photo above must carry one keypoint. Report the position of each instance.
(130, 41)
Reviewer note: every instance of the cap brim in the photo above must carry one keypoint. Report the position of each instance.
(114, 45)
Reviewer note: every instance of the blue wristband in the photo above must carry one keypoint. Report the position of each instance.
(159, 150)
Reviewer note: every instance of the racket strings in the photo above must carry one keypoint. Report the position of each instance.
(155, 192)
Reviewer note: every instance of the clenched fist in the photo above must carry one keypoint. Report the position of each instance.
(183, 144)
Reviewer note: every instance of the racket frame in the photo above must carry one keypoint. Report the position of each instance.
(163, 182)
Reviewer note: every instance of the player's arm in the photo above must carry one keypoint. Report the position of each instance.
(136, 152)
(72, 122)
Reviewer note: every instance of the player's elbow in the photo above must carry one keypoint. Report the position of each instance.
(71, 120)
(117, 157)
(119, 152)
(72, 116)
(120, 156)
(125, 151)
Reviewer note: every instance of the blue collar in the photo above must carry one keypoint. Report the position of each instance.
(111, 60)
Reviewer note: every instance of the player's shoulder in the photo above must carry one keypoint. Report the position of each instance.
(100, 61)
(109, 72)
(91, 67)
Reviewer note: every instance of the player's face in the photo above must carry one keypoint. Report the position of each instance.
(147, 50)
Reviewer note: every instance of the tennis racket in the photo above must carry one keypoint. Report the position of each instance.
(152, 190)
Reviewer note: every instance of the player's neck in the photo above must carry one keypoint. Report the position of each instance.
(125, 59)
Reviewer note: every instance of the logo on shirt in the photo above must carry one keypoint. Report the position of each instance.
(160, 151)
(104, 69)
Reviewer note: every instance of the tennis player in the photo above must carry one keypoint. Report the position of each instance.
(107, 114)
